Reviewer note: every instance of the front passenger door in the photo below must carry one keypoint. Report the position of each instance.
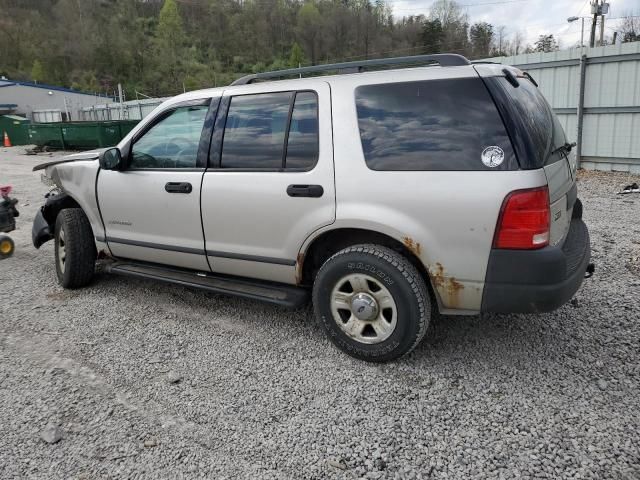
(151, 209)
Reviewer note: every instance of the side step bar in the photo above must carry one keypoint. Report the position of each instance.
(270, 292)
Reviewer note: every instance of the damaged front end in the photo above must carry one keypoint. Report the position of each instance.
(45, 221)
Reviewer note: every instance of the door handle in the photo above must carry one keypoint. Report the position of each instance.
(178, 187)
(313, 191)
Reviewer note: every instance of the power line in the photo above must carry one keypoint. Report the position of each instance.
(466, 5)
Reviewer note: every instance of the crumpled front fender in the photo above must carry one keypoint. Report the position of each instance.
(41, 231)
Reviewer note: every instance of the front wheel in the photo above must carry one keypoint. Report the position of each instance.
(75, 249)
(372, 302)
(7, 247)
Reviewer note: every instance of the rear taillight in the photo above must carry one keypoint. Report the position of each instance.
(524, 220)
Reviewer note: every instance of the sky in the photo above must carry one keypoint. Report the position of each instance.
(531, 17)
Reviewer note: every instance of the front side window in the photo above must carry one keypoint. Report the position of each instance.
(431, 125)
(172, 142)
(271, 131)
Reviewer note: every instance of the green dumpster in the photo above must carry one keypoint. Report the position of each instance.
(16, 128)
(46, 135)
(80, 135)
(126, 126)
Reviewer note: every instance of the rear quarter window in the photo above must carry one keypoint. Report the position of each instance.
(535, 129)
(431, 125)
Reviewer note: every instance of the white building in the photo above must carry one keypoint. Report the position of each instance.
(45, 103)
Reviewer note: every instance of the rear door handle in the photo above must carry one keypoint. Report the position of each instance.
(313, 191)
(178, 187)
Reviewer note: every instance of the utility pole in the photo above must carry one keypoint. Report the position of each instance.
(599, 8)
(594, 9)
(121, 99)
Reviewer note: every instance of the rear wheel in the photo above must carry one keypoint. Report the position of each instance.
(75, 249)
(372, 302)
(7, 246)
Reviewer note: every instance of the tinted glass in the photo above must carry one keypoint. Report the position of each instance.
(430, 125)
(172, 142)
(534, 126)
(533, 111)
(302, 147)
(254, 132)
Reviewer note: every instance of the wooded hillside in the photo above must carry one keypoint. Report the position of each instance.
(159, 47)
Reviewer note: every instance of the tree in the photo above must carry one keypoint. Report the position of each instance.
(546, 43)
(630, 28)
(516, 45)
(296, 57)
(432, 36)
(481, 36)
(454, 23)
(37, 71)
(170, 48)
(308, 29)
(447, 11)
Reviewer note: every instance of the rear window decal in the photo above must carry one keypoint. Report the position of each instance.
(492, 156)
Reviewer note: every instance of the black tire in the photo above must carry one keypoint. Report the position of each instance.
(78, 266)
(7, 247)
(399, 277)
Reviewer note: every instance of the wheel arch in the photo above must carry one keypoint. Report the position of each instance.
(55, 204)
(43, 232)
(329, 242)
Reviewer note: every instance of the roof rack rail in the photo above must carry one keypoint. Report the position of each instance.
(444, 59)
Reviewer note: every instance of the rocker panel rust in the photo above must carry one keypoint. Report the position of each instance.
(447, 287)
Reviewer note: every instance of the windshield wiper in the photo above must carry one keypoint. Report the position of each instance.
(566, 148)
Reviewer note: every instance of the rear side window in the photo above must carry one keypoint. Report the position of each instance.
(432, 125)
(254, 132)
(271, 131)
(302, 145)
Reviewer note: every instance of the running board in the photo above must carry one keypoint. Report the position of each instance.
(270, 292)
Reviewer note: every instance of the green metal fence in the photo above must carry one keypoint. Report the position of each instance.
(78, 135)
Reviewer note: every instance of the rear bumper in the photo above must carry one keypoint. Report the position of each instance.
(542, 280)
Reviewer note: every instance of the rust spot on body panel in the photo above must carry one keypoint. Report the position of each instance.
(437, 276)
(299, 263)
(412, 245)
(448, 287)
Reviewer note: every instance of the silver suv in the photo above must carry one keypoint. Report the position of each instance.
(385, 195)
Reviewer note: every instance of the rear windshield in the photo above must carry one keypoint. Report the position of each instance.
(448, 124)
(533, 127)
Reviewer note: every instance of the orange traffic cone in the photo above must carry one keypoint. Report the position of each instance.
(7, 142)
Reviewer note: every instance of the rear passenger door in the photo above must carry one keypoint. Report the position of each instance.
(270, 180)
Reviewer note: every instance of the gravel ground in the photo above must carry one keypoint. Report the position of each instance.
(133, 379)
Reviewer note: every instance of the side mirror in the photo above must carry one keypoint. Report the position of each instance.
(111, 159)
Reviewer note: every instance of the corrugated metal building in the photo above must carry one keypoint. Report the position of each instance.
(611, 108)
(130, 110)
(23, 98)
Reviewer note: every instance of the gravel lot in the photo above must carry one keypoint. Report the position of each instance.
(145, 380)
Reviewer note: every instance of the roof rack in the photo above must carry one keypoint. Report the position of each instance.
(444, 59)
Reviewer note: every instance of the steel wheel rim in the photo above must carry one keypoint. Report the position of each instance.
(363, 308)
(5, 247)
(62, 254)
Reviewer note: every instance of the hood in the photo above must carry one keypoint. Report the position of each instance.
(74, 157)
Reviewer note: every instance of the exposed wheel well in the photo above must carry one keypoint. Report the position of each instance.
(333, 241)
(54, 205)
